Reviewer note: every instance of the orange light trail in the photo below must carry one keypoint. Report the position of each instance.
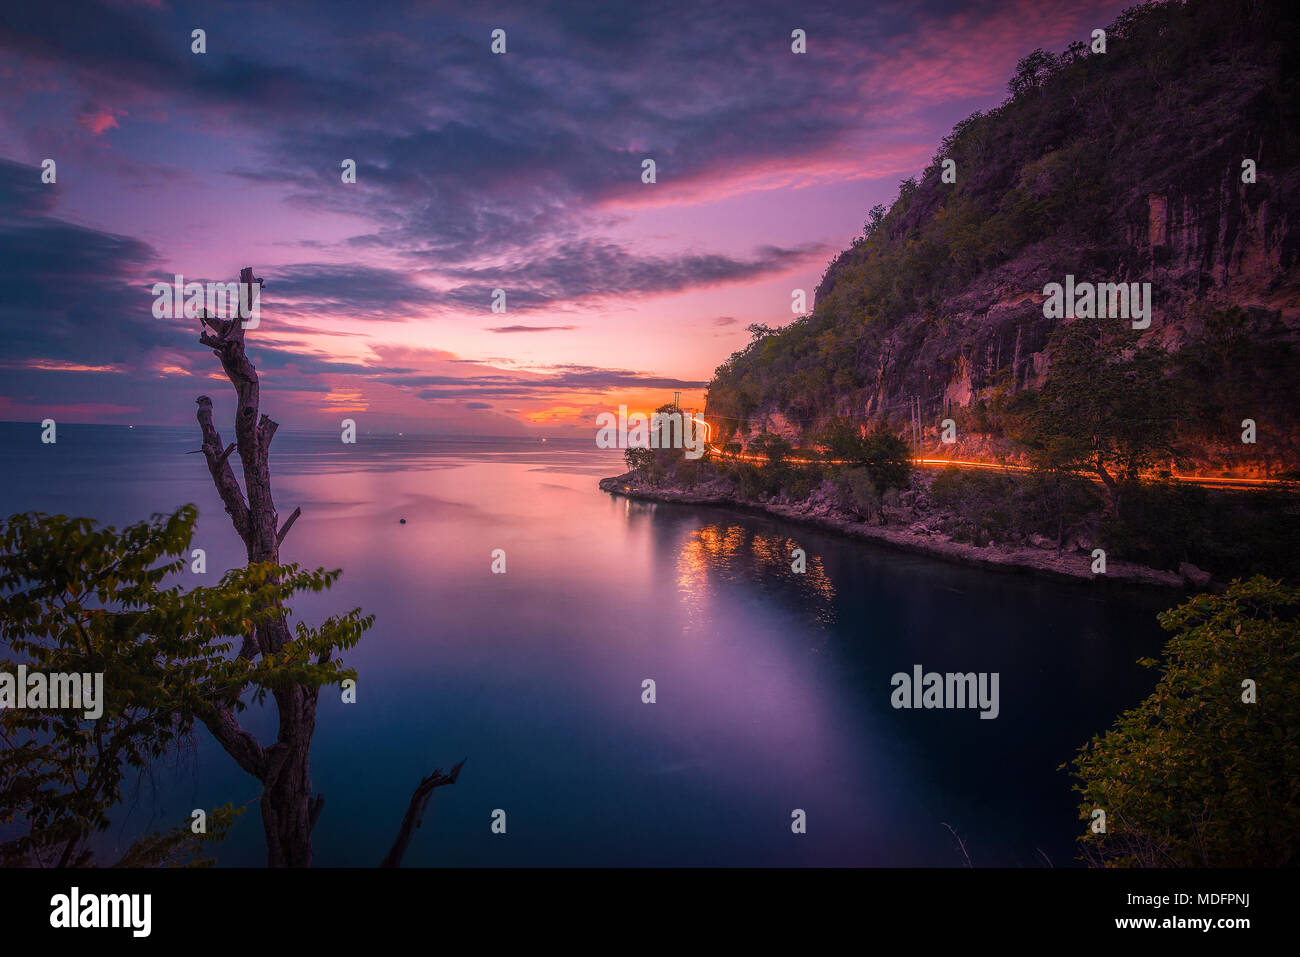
(1206, 481)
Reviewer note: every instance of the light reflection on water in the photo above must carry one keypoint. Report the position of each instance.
(726, 551)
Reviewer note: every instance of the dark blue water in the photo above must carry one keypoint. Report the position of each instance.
(773, 688)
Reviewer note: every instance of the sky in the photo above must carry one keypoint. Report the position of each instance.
(475, 171)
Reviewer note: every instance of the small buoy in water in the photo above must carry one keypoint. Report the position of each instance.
(403, 521)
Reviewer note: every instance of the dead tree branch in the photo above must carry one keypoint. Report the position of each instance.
(288, 524)
(222, 475)
(415, 812)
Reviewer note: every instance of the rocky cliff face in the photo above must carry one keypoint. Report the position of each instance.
(1123, 166)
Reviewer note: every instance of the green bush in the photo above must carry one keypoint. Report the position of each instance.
(858, 493)
(979, 500)
(1195, 776)
(1228, 533)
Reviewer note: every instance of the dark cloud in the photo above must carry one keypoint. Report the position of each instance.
(72, 293)
(531, 328)
(559, 381)
(462, 154)
(72, 296)
(587, 270)
(22, 194)
(348, 290)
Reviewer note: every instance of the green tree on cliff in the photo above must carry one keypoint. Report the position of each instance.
(885, 456)
(1107, 407)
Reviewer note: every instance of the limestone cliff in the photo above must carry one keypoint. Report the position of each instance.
(1172, 158)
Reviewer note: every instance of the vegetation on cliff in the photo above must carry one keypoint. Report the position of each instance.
(1117, 166)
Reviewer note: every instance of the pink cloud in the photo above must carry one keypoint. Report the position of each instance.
(97, 119)
(840, 163)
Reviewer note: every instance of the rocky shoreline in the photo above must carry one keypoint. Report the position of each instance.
(1068, 565)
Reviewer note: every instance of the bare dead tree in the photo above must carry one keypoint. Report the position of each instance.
(289, 811)
(414, 816)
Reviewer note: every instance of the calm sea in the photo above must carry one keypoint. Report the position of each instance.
(773, 688)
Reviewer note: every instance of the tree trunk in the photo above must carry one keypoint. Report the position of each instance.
(1060, 513)
(1112, 487)
(289, 812)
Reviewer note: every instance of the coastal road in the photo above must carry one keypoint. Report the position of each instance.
(1204, 481)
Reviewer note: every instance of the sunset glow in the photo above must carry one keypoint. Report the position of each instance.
(378, 296)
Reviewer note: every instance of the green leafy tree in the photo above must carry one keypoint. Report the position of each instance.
(1107, 407)
(888, 459)
(875, 216)
(79, 599)
(842, 440)
(775, 448)
(1195, 776)
(1032, 71)
(858, 494)
(639, 459)
(667, 461)
(885, 456)
(981, 502)
(1056, 501)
